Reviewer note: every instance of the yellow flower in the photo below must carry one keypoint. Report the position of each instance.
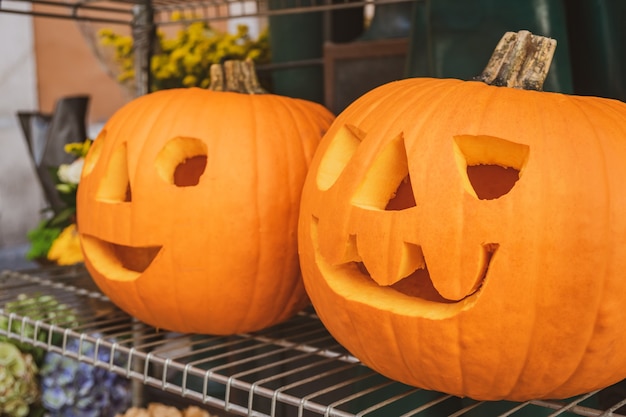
(65, 249)
(73, 147)
(205, 83)
(190, 81)
(79, 149)
(176, 16)
(169, 44)
(254, 54)
(196, 32)
(124, 45)
(179, 53)
(184, 59)
(191, 60)
(128, 75)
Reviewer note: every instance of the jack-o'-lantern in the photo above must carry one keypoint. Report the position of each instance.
(188, 205)
(471, 239)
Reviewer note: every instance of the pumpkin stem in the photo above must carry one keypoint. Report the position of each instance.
(236, 76)
(520, 60)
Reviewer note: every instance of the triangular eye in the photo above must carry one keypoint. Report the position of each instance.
(490, 166)
(182, 161)
(114, 185)
(387, 184)
(342, 146)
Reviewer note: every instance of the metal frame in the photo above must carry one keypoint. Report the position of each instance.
(292, 369)
(206, 10)
(144, 16)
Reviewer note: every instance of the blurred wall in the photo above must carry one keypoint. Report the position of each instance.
(66, 65)
(45, 60)
(20, 197)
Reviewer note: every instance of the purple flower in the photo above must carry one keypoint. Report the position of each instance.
(71, 388)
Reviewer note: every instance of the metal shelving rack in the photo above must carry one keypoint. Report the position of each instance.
(292, 369)
(122, 11)
(144, 16)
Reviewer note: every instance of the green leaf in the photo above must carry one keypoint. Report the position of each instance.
(41, 238)
(63, 217)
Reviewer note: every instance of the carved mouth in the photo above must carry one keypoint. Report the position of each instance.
(420, 285)
(119, 262)
(414, 295)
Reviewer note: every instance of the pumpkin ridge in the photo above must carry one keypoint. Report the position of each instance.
(483, 97)
(517, 383)
(596, 308)
(162, 107)
(303, 116)
(281, 108)
(399, 351)
(522, 381)
(254, 190)
(365, 358)
(300, 119)
(140, 123)
(403, 98)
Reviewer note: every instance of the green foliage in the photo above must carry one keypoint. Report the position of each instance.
(41, 238)
(66, 178)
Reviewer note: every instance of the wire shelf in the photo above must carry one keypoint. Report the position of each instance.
(292, 369)
(124, 12)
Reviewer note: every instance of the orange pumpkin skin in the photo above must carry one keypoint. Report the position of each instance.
(188, 205)
(514, 297)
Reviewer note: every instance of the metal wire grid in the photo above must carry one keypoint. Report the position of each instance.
(209, 10)
(124, 11)
(111, 12)
(293, 369)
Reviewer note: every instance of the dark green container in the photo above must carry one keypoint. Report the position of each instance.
(455, 38)
(597, 30)
(297, 38)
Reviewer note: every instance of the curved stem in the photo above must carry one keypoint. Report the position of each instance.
(520, 60)
(236, 76)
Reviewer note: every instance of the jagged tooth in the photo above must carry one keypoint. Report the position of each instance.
(457, 280)
(389, 260)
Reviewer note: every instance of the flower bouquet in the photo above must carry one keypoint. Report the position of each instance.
(55, 239)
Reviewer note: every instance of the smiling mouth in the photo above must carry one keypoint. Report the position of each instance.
(417, 290)
(420, 285)
(117, 261)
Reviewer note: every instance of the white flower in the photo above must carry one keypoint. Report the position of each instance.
(70, 173)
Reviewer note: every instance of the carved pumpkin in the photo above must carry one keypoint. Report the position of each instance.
(471, 239)
(188, 204)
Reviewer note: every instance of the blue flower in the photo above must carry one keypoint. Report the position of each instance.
(71, 388)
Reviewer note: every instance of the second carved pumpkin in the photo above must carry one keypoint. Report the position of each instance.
(471, 239)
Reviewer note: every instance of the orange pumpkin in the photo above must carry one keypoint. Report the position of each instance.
(471, 239)
(188, 204)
